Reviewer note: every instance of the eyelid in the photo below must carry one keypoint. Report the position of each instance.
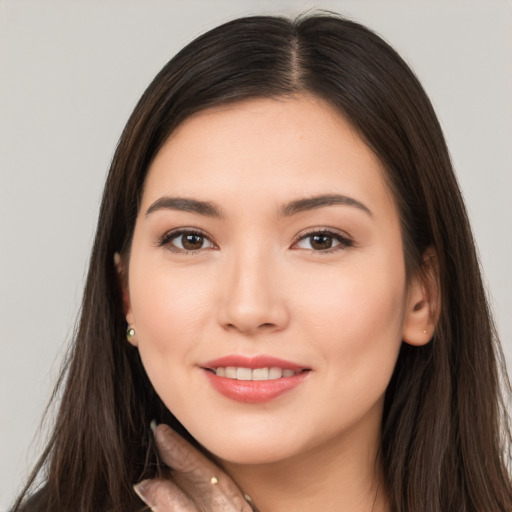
(344, 239)
(164, 240)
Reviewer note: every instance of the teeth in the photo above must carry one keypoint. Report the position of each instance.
(241, 373)
(230, 372)
(259, 374)
(275, 373)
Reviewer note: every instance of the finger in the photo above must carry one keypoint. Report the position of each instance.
(196, 474)
(164, 496)
(188, 463)
(221, 496)
(180, 455)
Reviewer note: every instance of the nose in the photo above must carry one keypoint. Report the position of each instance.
(252, 300)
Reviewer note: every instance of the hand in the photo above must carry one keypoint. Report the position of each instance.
(197, 485)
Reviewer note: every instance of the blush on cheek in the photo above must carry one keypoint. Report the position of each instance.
(358, 325)
(163, 372)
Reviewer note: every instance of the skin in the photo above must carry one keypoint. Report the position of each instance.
(257, 284)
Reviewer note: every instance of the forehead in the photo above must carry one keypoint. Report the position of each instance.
(280, 147)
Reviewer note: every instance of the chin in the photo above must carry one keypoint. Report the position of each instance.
(251, 456)
(249, 449)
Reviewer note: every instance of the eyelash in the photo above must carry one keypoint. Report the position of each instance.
(166, 240)
(343, 241)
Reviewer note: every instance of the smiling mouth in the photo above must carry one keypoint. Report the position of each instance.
(254, 380)
(254, 374)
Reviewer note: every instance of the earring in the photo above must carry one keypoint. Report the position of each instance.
(130, 333)
(424, 331)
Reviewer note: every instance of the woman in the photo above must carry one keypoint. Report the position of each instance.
(281, 209)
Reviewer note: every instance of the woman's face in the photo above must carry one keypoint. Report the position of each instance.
(268, 247)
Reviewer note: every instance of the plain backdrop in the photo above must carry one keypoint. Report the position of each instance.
(70, 74)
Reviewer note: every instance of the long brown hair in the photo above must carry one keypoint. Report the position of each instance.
(445, 434)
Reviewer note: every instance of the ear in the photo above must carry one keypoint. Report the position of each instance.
(122, 278)
(423, 302)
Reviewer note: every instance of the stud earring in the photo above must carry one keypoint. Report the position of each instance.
(130, 333)
(424, 331)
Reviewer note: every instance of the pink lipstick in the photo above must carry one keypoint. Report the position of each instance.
(254, 379)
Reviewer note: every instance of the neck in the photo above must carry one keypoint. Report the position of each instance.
(341, 475)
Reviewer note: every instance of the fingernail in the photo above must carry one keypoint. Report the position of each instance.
(153, 425)
(140, 489)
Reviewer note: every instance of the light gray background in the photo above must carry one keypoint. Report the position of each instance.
(70, 74)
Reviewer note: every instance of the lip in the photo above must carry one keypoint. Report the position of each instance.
(261, 361)
(254, 392)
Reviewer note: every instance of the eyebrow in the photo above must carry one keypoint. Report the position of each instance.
(311, 203)
(185, 205)
(300, 205)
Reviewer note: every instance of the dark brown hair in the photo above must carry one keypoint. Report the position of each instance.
(445, 436)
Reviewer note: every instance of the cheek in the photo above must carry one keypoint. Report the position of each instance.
(356, 327)
(357, 321)
(170, 311)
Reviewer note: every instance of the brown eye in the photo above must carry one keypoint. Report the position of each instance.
(185, 241)
(325, 241)
(192, 242)
(321, 242)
